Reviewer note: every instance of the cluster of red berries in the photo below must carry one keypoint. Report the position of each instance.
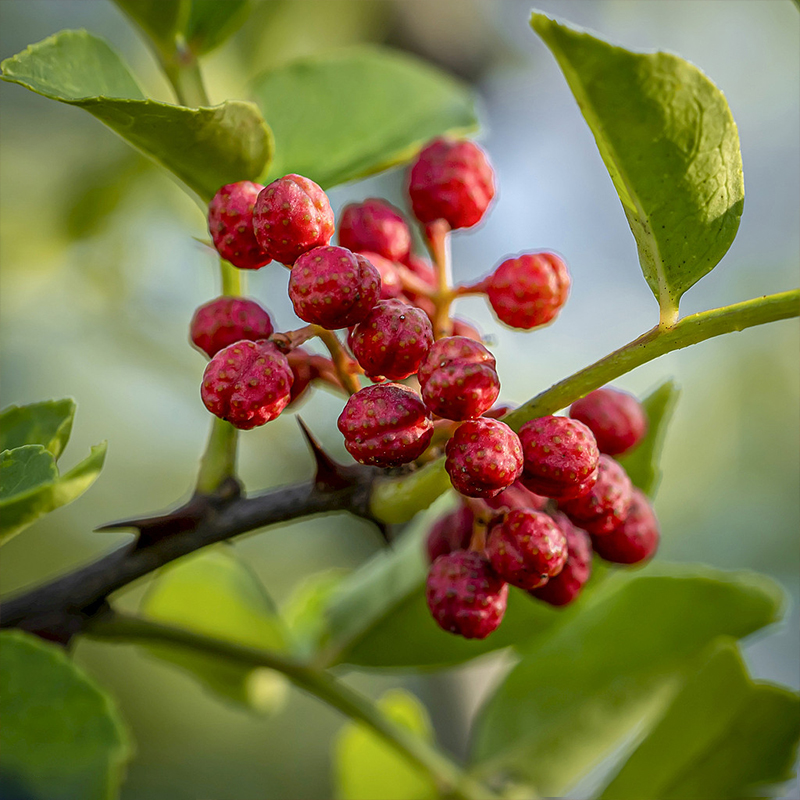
(570, 498)
(394, 305)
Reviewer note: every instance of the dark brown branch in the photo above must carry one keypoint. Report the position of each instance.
(59, 609)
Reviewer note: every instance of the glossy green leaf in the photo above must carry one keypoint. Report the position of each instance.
(48, 423)
(204, 147)
(723, 736)
(351, 113)
(367, 768)
(669, 142)
(642, 463)
(62, 737)
(216, 594)
(377, 616)
(30, 484)
(161, 20)
(617, 665)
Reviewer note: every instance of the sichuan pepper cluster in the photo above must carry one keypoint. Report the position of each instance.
(534, 504)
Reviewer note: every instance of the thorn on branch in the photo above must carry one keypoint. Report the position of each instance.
(184, 518)
(330, 476)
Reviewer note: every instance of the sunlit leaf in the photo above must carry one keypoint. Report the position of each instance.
(669, 142)
(204, 147)
(48, 423)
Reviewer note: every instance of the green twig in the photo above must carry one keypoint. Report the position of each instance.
(450, 778)
(399, 499)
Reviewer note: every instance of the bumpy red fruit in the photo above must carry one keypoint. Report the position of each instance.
(561, 457)
(459, 378)
(376, 226)
(391, 340)
(230, 223)
(291, 216)
(528, 290)
(247, 383)
(332, 287)
(526, 548)
(567, 585)
(391, 285)
(636, 539)
(616, 419)
(484, 457)
(385, 425)
(516, 496)
(465, 595)
(226, 320)
(451, 532)
(605, 506)
(451, 180)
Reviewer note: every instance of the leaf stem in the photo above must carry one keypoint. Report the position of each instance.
(437, 235)
(341, 361)
(451, 779)
(234, 280)
(397, 500)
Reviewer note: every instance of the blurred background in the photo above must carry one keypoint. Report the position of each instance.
(100, 276)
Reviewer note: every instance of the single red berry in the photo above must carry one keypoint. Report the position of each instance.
(528, 290)
(636, 539)
(465, 595)
(451, 180)
(391, 285)
(385, 425)
(292, 216)
(376, 226)
(516, 496)
(567, 585)
(605, 506)
(247, 383)
(332, 287)
(230, 223)
(226, 320)
(391, 340)
(616, 419)
(483, 458)
(526, 548)
(459, 378)
(561, 457)
(451, 532)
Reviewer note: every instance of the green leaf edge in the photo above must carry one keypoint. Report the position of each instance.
(61, 436)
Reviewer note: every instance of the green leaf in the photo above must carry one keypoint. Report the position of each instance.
(204, 147)
(216, 594)
(30, 485)
(669, 142)
(723, 736)
(377, 616)
(62, 737)
(617, 665)
(642, 463)
(203, 24)
(48, 423)
(211, 23)
(161, 20)
(367, 768)
(351, 113)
